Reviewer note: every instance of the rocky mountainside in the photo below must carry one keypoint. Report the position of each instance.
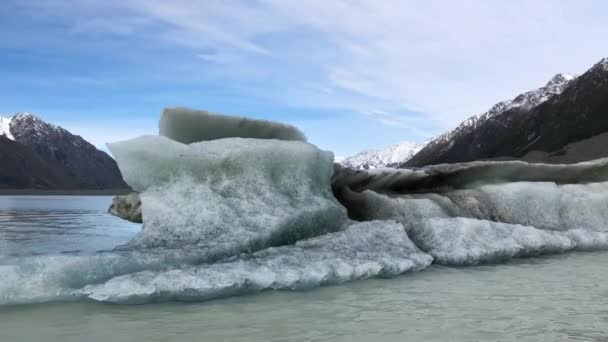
(38, 155)
(540, 125)
(388, 157)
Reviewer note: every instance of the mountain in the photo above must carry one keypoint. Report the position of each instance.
(566, 121)
(390, 156)
(39, 155)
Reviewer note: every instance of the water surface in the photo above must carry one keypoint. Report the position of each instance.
(35, 225)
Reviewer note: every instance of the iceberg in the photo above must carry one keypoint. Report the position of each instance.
(189, 126)
(232, 206)
(486, 211)
(232, 195)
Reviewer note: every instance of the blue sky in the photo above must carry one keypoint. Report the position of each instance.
(351, 74)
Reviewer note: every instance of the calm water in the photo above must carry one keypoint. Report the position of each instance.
(32, 225)
(554, 298)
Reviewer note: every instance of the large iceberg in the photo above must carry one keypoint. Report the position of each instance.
(233, 205)
(230, 195)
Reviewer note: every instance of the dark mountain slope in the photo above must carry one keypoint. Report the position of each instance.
(22, 168)
(39, 155)
(577, 112)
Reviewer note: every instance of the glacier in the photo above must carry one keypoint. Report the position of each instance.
(5, 127)
(233, 206)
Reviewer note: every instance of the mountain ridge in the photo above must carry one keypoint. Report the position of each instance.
(379, 158)
(566, 110)
(29, 146)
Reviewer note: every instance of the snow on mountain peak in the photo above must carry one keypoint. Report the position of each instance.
(527, 100)
(603, 64)
(5, 127)
(25, 123)
(387, 157)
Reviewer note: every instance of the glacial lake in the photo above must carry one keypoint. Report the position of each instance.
(555, 297)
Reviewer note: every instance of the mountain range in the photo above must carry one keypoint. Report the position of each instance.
(566, 121)
(563, 122)
(38, 155)
(390, 156)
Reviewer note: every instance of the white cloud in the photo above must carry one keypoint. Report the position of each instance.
(446, 59)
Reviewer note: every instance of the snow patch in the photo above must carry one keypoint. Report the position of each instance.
(390, 156)
(5, 127)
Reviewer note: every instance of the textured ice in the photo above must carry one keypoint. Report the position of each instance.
(477, 212)
(56, 277)
(188, 126)
(229, 195)
(463, 175)
(465, 241)
(539, 204)
(363, 250)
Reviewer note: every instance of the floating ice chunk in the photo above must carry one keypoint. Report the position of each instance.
(189, 126)
(364, 250)
(229, 195)
(465, 241)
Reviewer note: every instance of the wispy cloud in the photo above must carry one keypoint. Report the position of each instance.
(399, 62)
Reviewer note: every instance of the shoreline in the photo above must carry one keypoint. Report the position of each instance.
(80, 192)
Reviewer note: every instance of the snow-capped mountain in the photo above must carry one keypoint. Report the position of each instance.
(523, 101)
(387, 157)
(37, 154)
(567, 109)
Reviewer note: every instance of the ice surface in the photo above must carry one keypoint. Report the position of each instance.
(56, 277)
(363, 250)
(188, 126)
(230, 195)
(465, 241)
(459, 219)
(462, 175)
(542, 205)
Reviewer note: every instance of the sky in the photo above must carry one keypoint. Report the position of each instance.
(352, 74)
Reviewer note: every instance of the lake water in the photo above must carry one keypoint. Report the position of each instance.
(549, 298)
